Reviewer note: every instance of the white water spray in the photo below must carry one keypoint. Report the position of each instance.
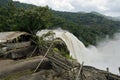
(102, 56)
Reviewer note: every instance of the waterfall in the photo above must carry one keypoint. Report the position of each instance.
(99, 56)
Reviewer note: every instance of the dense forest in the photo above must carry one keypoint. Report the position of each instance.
(88, 27)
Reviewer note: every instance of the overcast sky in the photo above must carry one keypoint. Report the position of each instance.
(107, 7)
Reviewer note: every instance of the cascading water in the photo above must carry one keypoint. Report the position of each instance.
(98, 57)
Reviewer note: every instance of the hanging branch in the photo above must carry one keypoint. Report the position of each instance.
(43, 57)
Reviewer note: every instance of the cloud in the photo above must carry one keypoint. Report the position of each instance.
(108, 7)
(89, 5)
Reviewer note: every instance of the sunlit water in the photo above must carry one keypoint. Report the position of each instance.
(106, 54)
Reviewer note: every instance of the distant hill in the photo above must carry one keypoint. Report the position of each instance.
(4, 2)
(87, 19)
(16, 3)
(113, 18)
(23, 5)
(117, 18)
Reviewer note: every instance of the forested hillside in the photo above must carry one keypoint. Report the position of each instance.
(88, 27)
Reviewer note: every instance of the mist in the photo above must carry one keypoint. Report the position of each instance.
(106, 54)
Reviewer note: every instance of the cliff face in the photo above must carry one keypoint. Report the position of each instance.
(51, 68)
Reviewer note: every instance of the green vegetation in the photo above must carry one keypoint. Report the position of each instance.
(88, 27)
(16, 3)
(31, 20)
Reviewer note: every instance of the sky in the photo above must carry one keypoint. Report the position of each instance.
(106, 7)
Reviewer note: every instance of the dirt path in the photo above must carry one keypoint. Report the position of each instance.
(9, 66)
(4, 63)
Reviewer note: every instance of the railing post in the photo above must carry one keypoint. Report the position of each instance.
(119, 70)
(107, 73)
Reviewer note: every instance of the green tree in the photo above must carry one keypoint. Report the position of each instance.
(33, 19)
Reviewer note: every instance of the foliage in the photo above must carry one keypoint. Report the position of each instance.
(34, 19)
(43, 43)
(88, 27)
(31, 20)
(16, 3)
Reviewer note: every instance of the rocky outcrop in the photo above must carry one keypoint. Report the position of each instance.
(52, 68)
